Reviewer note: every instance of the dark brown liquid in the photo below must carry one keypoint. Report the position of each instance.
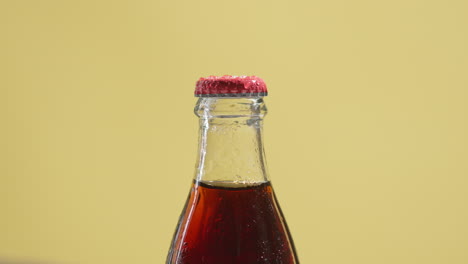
(225, 225)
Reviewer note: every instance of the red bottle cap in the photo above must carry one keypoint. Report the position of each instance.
(230, 86)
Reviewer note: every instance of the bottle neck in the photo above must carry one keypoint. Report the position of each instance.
(231, 142)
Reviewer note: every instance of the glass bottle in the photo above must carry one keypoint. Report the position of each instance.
(232, 215)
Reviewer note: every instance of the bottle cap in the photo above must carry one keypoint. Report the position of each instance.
(231, 86)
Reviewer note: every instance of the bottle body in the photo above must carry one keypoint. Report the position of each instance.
(232, 215)
(222, 224)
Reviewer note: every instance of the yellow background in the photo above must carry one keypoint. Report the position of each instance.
(367, 135)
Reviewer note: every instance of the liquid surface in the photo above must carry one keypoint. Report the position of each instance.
(228, 225)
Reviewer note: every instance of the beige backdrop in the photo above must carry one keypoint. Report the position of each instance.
(367, 135)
